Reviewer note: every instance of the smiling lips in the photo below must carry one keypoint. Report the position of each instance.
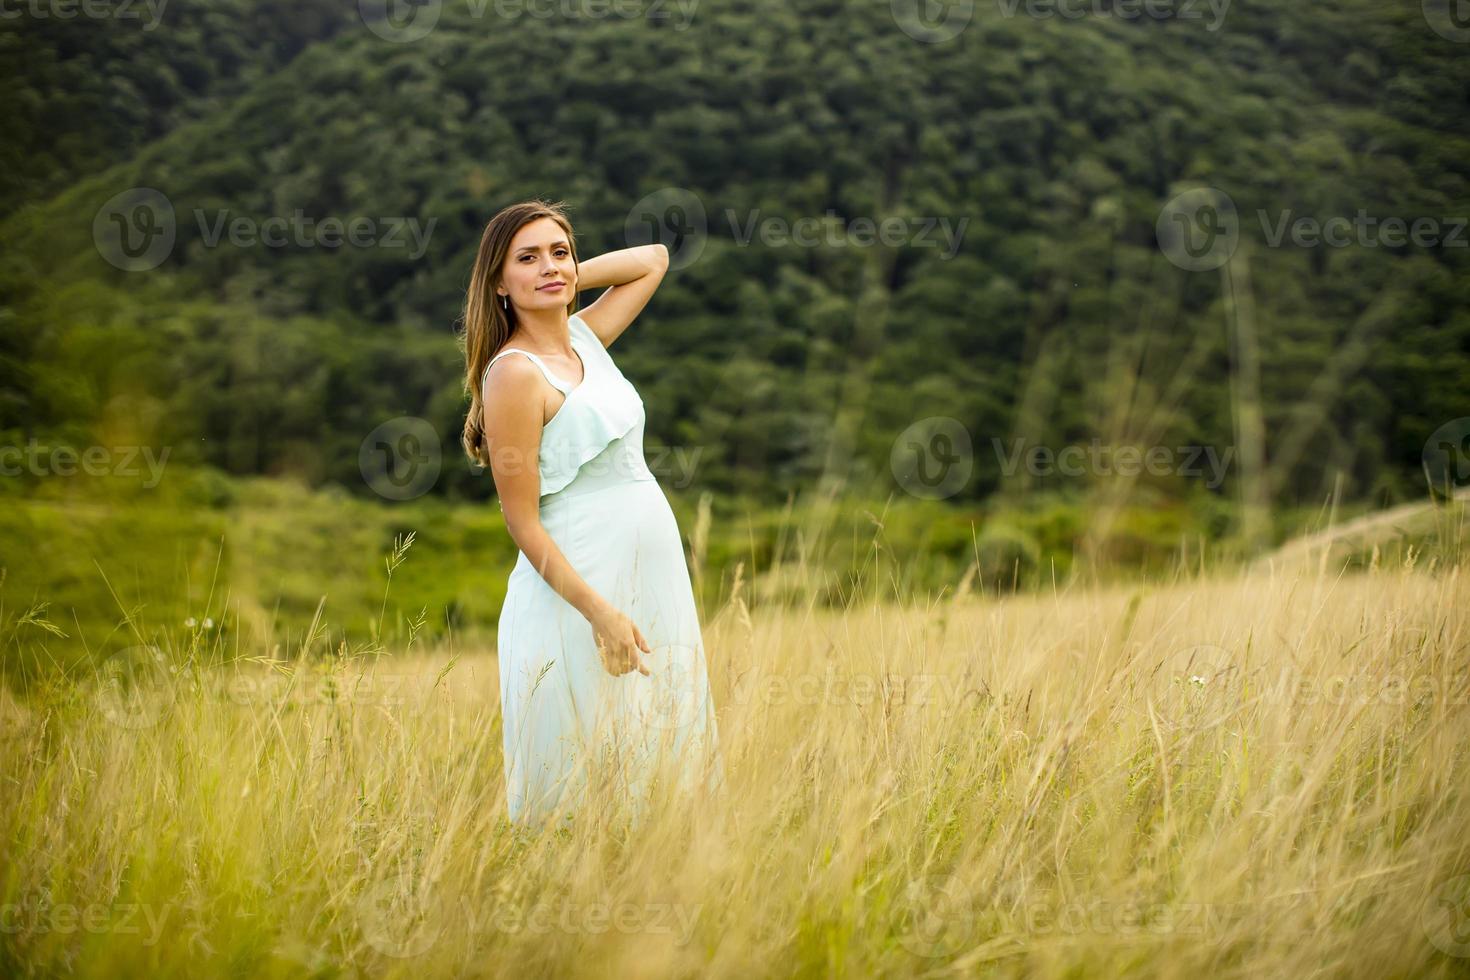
(551, 285)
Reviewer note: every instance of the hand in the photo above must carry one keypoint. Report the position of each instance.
(619, 641)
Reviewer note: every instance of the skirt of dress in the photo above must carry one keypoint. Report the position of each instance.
(568, 723)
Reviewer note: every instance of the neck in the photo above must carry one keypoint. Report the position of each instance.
(547, 329)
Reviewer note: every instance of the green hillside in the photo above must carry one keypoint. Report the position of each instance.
(1057, 319)
(1030, 294)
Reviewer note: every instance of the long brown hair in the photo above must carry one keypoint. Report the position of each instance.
(487, 323)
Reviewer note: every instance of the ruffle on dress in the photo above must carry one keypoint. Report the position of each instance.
(604, 407)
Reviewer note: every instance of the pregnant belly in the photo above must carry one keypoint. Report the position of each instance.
(613, 534)
(624, 542)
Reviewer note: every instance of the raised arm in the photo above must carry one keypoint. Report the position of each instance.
(633, 275)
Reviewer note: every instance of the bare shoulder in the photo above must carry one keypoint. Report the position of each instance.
(512, 383)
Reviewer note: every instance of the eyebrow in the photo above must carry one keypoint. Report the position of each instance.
(532, 248)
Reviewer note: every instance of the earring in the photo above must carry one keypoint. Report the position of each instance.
(505, 303)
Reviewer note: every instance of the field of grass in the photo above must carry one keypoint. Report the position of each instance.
(264, 560)
(1220, 774)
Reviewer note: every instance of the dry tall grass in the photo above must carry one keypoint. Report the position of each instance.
(1220, 776)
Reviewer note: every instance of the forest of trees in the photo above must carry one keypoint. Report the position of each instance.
(1047, 147)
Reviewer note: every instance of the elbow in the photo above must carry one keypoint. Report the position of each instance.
(523, 528)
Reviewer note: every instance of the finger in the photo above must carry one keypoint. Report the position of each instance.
(642, 667)
(641, 641)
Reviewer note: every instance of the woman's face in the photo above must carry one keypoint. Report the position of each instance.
(540, 256)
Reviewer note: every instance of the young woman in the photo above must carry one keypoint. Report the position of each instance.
(602, 667)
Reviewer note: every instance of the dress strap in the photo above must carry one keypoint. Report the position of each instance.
(556, 382)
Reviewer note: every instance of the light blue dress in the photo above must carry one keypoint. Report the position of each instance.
(566, 719)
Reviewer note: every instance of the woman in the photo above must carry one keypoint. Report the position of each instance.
(602, 669)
